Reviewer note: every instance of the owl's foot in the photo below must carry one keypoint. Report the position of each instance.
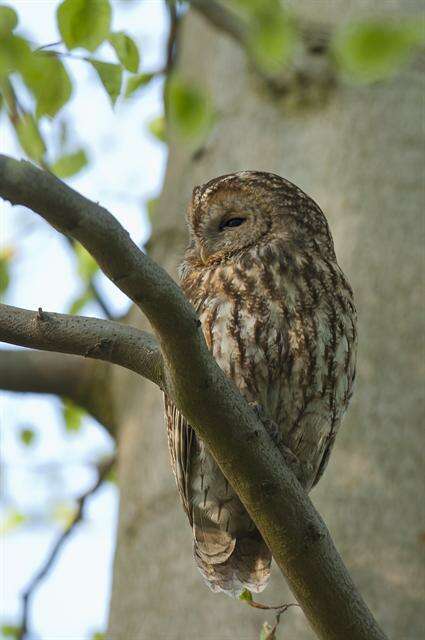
(292, 460)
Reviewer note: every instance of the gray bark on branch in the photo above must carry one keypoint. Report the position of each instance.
(288, 521)
(83, 381)
(80, 335)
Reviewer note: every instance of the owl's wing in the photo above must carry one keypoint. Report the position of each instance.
(213, 509)
(181, 440)
(325, 458)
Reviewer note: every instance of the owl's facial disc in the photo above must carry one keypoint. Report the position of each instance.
(228, 223)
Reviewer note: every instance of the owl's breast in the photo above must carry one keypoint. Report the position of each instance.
(283, 330)
(244, 329)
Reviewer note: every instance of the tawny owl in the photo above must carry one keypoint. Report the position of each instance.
(278, 316)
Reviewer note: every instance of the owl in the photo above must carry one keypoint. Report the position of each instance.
(278, 315)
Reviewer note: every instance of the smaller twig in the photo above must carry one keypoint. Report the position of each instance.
(278, 614)
(315, 38)
(74, 56)
(227, 22)
(172, 35)
(66, 54)
(280, 610)
(46, 46)
(101, 301)
(222, 19)
(95, 291)
(15, 110)
(103, 470)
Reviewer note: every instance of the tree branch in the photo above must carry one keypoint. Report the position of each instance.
(85, 382)
(79, 335)
(292, 528)
(222, 19)
(95, 291)
(172, 39)
(315, 38)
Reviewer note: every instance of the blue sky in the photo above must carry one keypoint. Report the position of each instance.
(126, 169)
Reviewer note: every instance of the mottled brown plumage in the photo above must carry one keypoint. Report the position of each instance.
(278, 315)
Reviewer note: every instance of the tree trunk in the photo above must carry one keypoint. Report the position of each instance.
(357, 152)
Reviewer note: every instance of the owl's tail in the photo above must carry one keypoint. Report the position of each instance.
(247, 566)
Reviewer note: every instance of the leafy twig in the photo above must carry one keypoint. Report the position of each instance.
(280, 609)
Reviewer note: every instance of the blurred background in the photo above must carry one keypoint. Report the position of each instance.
(132, 103)
(50, 448)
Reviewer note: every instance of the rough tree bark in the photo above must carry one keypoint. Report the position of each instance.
(356, 151)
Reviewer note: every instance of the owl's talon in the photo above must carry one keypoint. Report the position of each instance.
(258, 409)
(270, 426)
(290, 458)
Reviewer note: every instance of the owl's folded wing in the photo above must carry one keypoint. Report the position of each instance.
(205, 505)
(180, 443)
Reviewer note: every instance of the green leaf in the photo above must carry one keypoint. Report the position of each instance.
(111, 476)
(80, 302)
(8, 20)
(272, 36)
(30, 138)
(373, 51)
(69, 164)
(151, 205)
(98, 636)
(157, 128)
(4, 276)
(11, 521)
(137, 82)
(11, 631)
(189, 109)
(5, 257)
(87, 265)
(84, 23)
(246, 595)
(126, 50)
(14, 53)
(72, 415)
(46, 77)
(27, 436)
(111, 77)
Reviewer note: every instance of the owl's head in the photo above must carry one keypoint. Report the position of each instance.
(236, 211)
